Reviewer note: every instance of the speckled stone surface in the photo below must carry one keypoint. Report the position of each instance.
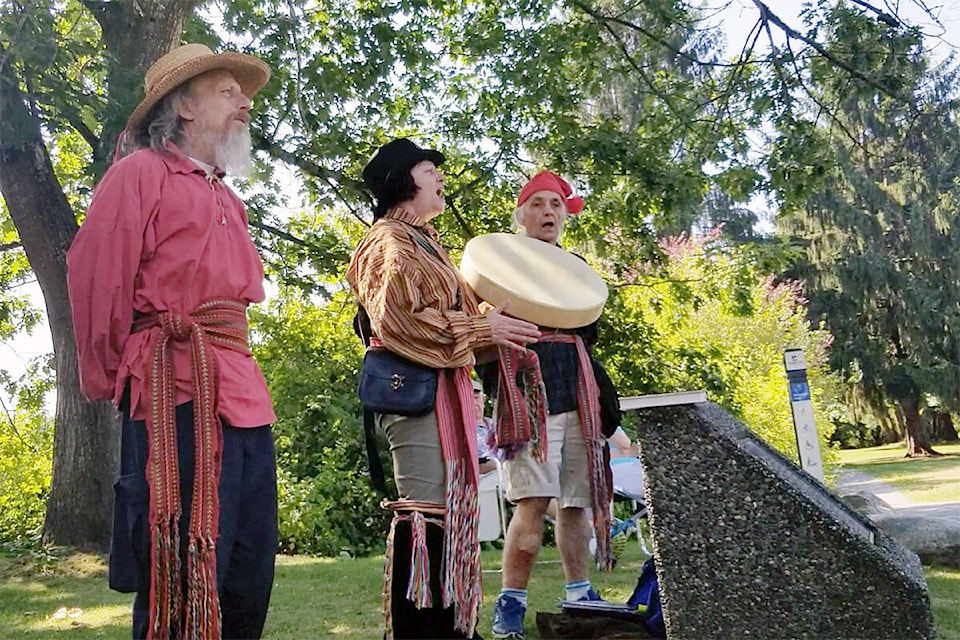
(749, 546)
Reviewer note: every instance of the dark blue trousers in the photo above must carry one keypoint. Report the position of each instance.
(247, 539)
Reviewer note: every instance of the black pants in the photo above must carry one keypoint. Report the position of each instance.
(408, 621)
(247, 537)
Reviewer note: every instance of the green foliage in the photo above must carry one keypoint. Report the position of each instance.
(330, 514)
(17, 315)
(26, 451)
(311, 360)
(870, 194)
(714, 321)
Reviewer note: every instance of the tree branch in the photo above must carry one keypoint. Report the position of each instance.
(336, 180)
(768, 16)
(280, 233)
(590, 11)
(883, 16)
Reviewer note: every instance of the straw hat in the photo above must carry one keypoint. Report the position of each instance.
(189, 61)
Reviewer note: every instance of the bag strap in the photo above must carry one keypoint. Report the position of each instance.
(361, 325)
(377, 478)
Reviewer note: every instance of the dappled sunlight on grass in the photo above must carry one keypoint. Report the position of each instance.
(320, 597)
(70, 594)
(108, 617)
(944, 585)
(935, 479)
(889, 453)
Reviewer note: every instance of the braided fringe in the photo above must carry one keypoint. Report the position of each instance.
(196, 617)
(521, 416)
(165, 581)
(461, 550)
(418, 587)
(202, 604)
(600, 501)
(388, 580)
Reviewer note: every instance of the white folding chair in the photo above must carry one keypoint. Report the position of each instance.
(628, 483)
(493, 512)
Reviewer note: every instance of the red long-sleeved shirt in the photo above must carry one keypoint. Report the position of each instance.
(161, 236)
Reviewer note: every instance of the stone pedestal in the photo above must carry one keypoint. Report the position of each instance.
(750, 546)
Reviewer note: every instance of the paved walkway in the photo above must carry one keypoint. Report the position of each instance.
(859, 482)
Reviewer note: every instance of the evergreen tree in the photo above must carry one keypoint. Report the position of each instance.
(880, 223)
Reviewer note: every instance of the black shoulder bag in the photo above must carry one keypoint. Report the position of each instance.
(389, 383)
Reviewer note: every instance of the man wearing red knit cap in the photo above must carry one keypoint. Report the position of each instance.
(542, 208)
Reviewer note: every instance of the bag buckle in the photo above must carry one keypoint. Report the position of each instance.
(396, 381)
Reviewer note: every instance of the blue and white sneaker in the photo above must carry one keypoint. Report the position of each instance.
(592, 596)
(508, 618)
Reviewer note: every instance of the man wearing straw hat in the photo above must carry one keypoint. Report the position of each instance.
(160, 275)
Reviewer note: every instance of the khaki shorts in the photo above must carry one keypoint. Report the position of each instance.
(564, 476)
(417, 457)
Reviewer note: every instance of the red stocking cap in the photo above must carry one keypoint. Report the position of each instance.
(549, 181)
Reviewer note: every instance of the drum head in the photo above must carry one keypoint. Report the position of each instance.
(544, 284)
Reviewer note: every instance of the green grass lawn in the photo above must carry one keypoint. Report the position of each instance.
(67, 597)
(935, 479)
(313, 598)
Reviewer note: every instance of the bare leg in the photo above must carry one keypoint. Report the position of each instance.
(573, 543)
(524, 537)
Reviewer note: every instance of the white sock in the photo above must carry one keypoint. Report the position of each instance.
(576, 590)
(517, 594)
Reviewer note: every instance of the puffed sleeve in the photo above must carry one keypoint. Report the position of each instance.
(399, 294)
(102, 265)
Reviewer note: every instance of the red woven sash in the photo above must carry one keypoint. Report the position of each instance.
(197, 616)
(521, 417)
(588, 407)
(461, 572)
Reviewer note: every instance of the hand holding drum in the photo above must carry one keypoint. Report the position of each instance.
(510, 332)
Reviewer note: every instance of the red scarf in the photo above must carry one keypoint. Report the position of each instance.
(521, 418)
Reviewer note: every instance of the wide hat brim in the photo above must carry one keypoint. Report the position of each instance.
(251, 74)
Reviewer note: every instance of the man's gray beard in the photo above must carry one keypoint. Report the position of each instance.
(235, 154)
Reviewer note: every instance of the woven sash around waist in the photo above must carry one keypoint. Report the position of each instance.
(456, 420)
(521, 419)
(221, 322)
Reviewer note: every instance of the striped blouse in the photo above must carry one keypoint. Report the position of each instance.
(419, 305)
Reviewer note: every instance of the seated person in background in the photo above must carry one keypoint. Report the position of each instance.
(486, 433)
(620, 445)
(625, 466)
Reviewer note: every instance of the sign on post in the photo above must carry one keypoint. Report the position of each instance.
(802, 407)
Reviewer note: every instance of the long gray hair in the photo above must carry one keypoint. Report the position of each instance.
(163, 125)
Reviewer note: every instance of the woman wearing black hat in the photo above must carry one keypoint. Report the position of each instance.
(420, 307)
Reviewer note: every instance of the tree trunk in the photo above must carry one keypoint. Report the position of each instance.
(918, 444)
(941, 427)
(890, 427)
(136, 34)
(85, 436)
